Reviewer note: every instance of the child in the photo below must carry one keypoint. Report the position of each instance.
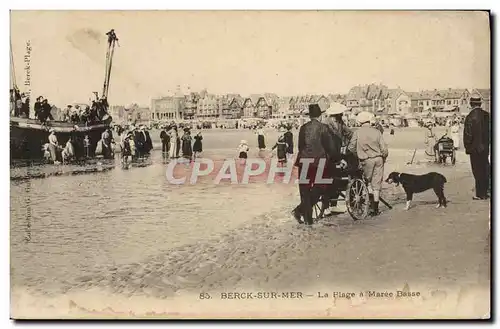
(243, 151)
(282, 147)
(126, 151)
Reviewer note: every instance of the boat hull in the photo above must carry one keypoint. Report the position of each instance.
(27, 137)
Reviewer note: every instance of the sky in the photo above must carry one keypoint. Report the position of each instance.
(283, 52)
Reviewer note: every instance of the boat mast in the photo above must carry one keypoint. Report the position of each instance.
(13, 82)
(112, 40)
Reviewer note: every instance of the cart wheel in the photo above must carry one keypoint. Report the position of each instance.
(453, 158)
(357, 199)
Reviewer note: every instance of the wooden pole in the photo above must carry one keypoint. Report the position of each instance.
(12, 68)
(105, 95)
(105, 86)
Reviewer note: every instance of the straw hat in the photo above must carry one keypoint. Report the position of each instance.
(364, 117)
(51, 130)
(243, 142)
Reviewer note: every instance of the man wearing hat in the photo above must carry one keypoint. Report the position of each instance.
(337, 125)
(370, 148)
(477, 146)
(140, 141)
(165, 141)
(316, 143)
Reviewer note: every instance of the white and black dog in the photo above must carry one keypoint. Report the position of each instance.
(419, 183)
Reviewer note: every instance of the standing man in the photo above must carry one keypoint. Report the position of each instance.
(165, 142)
(140, 141)
(370, 148)
(315, 144)
(38, 107)
(477, 146)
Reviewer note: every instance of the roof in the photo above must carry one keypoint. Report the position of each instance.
(238, 99)
(422, 95)
(453, 93)
(255, 98)
(357, 92)
(394, 93)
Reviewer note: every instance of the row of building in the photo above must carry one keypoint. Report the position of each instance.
(375, 98)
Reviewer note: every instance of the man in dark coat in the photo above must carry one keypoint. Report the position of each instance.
(477, 146)
(148, 143)
(139, 140)
(44, 113)
(165, 141)
(38, 107)
(315, 143)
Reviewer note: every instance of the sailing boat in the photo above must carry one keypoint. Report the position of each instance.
(28, 135)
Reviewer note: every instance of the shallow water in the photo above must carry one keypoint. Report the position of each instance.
(63, 226)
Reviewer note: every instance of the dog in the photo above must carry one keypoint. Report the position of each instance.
(419, 183)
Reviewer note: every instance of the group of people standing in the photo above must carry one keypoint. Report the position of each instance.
(431, 140)
(135, 143)
(19, 103)
(173, 143)
(329, 140)
(84, 114)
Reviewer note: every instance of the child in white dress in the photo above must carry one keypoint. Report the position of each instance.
(243, 151)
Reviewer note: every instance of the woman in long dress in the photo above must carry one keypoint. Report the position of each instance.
(261, 138)
(187, 150)
(198, 145)
(430, 141)
(173, 142)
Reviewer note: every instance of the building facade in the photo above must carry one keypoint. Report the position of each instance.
(167, 108)
(208, 106)
(397, 102)
(131, 114)
(235, 106)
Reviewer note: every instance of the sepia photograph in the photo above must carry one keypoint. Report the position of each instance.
(250, 164)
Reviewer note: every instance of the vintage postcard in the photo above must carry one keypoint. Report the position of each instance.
(250, 164)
